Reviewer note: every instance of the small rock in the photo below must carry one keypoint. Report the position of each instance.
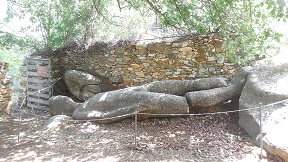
(55, 122)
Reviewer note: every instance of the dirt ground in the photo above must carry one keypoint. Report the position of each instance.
(192, 139)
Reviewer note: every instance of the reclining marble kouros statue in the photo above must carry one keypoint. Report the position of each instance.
(158, 98)
(265, 89)
(82, 85)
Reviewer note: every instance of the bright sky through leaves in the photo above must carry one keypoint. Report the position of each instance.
(3, 6)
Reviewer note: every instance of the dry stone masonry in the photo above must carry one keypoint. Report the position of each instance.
(5, 97)
(127, 64)
(165, 79)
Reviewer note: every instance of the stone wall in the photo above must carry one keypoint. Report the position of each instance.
(5, 96)
(130, 64)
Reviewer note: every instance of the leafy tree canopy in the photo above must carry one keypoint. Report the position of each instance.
(246, 26)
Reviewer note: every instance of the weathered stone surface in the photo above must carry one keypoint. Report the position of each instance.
(77, 81)
(206, 98)
(185, 49)
(210, 97)
(92, 88)
(150, 59)
(5, 89)
(266, 84)
(181, 87)
(89, 91)
(55, 122)
(81, 78)
(61, 105)
(275, 140)
(119, 104)
(226, 105)
(116, 79)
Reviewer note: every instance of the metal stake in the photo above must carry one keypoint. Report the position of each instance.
(19, 121)
(33, 111)
(135, 138)
(261, 135)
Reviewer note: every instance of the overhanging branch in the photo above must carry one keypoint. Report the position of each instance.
(160, 13)
(100, 13)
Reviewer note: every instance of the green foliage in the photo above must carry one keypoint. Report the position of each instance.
(14, 57)
(59, 22)
(112, 22)
(9, 40)
(246, 26)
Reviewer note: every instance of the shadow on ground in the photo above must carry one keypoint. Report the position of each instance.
(194, 138)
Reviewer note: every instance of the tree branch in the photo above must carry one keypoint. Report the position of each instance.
(160, 13)
(119, 5)
(13, 2)
(100, 13)
(180, 12)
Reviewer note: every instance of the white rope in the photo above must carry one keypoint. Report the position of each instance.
(46, 87)
(173, 115)
(22, 104)
(25, 112)
(166, 115)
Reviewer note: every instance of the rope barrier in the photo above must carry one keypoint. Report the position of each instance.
(41, 90)
(136, 113)
(25, 112)
(46, 87)
(23, 101)
(176, 115)
(168, 115)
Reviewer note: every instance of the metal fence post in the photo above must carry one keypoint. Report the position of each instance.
(135, 138)
(261, 129)
(20, 118)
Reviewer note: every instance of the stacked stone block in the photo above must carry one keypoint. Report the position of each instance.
(5, 96)
(187, 58)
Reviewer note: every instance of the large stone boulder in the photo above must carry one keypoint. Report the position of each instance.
(202, 100)
(120, 104)
(82, 85)
(181, 87)
(55, 122)
(61, 105)
(275, 140)
(157, 98)
(266, 84)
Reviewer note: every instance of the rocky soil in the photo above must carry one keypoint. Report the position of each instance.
(194, 138)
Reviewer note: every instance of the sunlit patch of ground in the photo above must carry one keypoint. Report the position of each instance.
(195, 138)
